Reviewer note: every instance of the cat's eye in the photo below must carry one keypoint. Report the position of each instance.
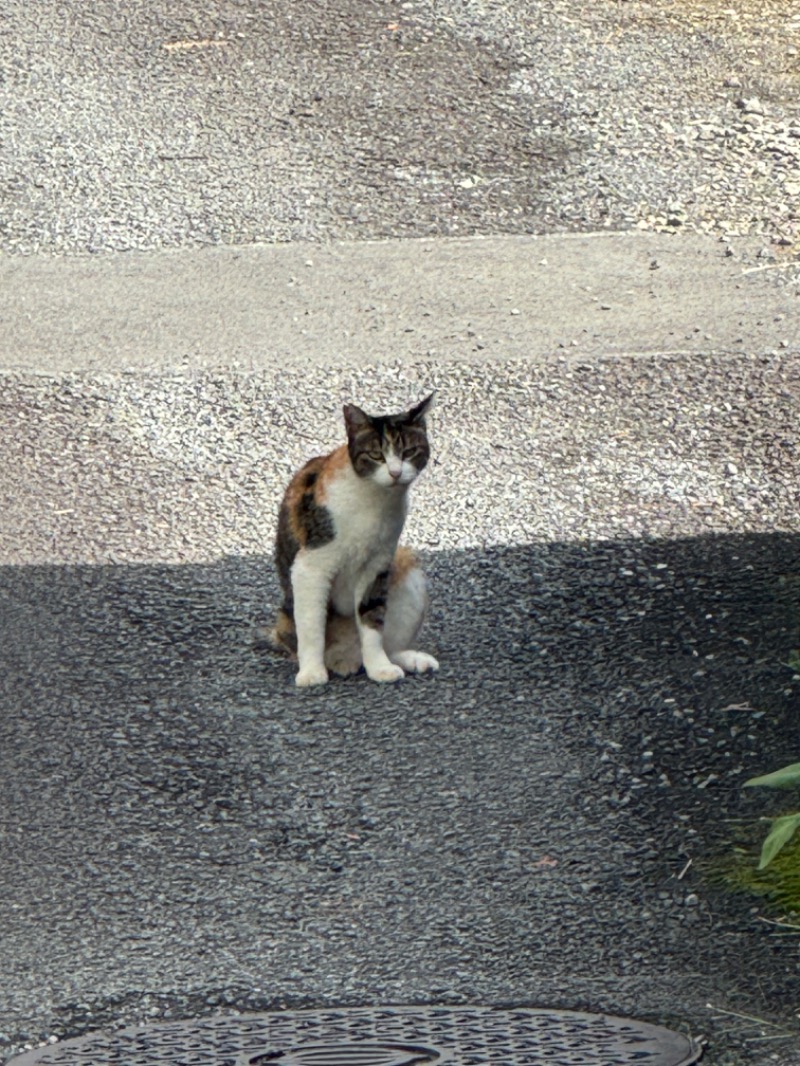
(376, 455)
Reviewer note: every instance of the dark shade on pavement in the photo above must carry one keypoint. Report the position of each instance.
(183, 830)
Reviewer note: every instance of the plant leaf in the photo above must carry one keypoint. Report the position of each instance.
(783, 778)
(781, 833)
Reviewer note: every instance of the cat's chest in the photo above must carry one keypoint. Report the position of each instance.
(367, 527)
(366, 521)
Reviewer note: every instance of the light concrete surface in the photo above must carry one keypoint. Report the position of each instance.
(496, 298)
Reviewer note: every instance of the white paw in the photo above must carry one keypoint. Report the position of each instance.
(415, 662)
(388, 673)
(311, 675)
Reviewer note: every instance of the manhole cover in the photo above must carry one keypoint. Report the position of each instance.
(381, 1036)
(356, 1053)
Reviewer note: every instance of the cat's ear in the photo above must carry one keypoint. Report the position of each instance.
(417, 414)
(354, 418)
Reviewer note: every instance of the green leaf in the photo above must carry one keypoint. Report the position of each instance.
(784, 778)
(781, 833)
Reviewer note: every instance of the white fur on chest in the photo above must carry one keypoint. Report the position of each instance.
(368, 520)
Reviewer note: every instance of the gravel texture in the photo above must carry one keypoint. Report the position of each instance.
(144, 125)
(188, 468)
(613, 552)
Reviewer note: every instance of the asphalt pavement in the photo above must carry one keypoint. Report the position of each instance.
(543, 822)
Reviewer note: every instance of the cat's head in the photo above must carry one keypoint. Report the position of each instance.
(390, 450)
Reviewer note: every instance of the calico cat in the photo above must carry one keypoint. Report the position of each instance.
(351, 597)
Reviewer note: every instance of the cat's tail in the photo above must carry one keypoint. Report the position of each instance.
(282, 636)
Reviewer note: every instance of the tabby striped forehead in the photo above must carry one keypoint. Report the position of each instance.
(383, 435)
(391, 430)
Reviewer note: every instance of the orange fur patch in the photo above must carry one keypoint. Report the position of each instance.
(332, 465)
(403, 563)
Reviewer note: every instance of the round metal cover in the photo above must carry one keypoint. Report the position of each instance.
(380, 1036)
(355, 1054)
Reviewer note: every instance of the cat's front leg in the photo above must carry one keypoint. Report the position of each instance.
(370, 616)
(405, 611)
(311, 589)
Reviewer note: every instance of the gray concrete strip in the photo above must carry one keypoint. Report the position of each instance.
(354, 303)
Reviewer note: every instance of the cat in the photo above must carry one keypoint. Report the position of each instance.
(351, 596)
